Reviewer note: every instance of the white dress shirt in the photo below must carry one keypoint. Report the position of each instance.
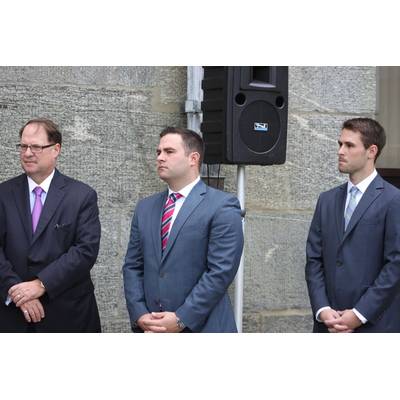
(44, 185)
(178, 204)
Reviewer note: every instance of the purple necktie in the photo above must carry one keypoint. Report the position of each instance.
(37, 207)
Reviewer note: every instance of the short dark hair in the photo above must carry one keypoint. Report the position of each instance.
(192, 141)
(371, 132)
(53, 133)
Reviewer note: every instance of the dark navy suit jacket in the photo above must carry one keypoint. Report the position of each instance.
(200, 261)
(359, 268)
(60, 253)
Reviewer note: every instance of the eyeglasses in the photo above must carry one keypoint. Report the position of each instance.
(35, 148)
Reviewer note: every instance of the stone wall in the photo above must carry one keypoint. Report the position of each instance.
(111, 117)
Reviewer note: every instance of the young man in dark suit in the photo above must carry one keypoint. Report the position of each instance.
(353, 247)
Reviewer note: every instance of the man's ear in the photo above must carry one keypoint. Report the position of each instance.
(195, 158)
(57, 148)
(373, 151)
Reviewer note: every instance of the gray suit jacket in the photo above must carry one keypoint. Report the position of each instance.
(358, 268)
(192, 276)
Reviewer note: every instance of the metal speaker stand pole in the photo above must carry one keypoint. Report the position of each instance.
(238, 300)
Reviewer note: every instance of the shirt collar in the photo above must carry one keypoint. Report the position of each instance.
(187, 189)
(363, 185)
(44, 185)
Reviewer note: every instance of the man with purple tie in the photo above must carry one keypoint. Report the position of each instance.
(185, 247)
(49, 241)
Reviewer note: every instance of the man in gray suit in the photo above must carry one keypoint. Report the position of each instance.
(353, 247)
(185, 247)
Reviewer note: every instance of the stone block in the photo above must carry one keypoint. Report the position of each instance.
(332, 89)
(274, 261)
(288, 324)
(115, 326)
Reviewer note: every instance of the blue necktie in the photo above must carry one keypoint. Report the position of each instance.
(351, 206)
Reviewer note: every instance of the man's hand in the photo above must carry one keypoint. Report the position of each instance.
(347, 322)
(347, 319)
(161, 322)
(332, 319)
(328, 315)
(33, 310)
(145, 321)
(26, 291)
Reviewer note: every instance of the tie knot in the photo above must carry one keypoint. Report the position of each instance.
(354, 190)
(175, 196)
(38, 191)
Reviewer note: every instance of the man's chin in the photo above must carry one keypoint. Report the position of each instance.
(28, 168)
(162, 176)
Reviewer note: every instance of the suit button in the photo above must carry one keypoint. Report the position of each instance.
(339, 263)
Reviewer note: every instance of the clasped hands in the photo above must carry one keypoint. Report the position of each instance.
(159, 322)
(340, 321)
(26, 295)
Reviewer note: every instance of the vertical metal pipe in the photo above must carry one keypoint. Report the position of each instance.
(239, 279)
(194, 97)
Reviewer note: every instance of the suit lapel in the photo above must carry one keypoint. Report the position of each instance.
(195, 197)
(373, 191)
(53, 199)
(156, 216)
(340, 203)
(21, 196)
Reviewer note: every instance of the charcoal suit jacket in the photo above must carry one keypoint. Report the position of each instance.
(60, 253)
(360, 267)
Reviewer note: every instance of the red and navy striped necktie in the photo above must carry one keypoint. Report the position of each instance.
(168, 212)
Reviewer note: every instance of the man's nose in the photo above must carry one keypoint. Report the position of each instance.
(28, 151)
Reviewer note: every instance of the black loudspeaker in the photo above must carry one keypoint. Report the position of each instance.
(245, 112)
